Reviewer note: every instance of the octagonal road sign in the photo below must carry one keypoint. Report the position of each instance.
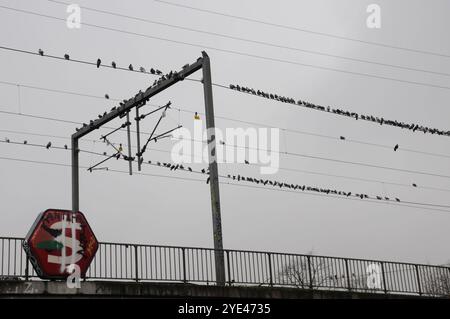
(58, 239)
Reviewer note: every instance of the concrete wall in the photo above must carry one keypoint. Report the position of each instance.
(17, 289)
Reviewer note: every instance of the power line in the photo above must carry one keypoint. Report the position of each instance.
(260, 57)
(226, 36)
(239, 177)
(304, 30)
(52, 90)
(281, 153)
(281, 168)
(70, 59)
(226, 183)
(332, 160)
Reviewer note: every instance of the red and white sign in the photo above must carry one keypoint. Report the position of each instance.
(58, 239)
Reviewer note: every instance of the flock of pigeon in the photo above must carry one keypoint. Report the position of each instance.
(283, 185)
(174, 167)
(163, 77)
(413, 127)
(137, 97)
(114, 65)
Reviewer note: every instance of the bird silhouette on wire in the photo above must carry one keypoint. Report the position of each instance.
(49, 144)
(41, 53)
(99, 62)
(107, 96)
(113, 64)
(66, 56)
(396, 148)
(130, 67)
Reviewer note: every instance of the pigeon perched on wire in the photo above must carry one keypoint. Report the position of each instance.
(99, 62)
(49, 144)
(395, 147)
(130, 67)
(66, 56)
(113, 64)
(142, 69)
(41, 53)
(107, 96)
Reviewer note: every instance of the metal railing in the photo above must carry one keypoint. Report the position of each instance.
(135, 262)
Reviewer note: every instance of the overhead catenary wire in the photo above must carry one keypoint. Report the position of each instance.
(303, 171)
(228, 183)
(293, 154)
(240, 53)
(253, 41)
(296, 131)
(293, 28)
(238, 177)
(370, 118)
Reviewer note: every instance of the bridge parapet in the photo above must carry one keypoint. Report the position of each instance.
(253, 269)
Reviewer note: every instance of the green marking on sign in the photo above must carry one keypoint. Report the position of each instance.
(50, 245)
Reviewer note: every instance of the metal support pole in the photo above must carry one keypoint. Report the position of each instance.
(129, 145)
(138, 139)
(75, 176)
(213, 171)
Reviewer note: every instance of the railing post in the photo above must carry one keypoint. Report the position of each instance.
(184, 264)
(310, 272)
(26, 268)
(348, 275)
(228, 267)
(384, 277)
(136, 262)
(270, 269)
(418, 280)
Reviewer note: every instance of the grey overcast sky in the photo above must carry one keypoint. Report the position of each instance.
(157, 210)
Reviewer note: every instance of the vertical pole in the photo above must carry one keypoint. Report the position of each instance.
(129, 144)
(139, 155)
(75, 177)
(347, 273)
(384, 277)
(213, 171)
(419, 286)
(136, 269)
(270, 269)
(228, 267)
(311, 279)
(184, 265)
